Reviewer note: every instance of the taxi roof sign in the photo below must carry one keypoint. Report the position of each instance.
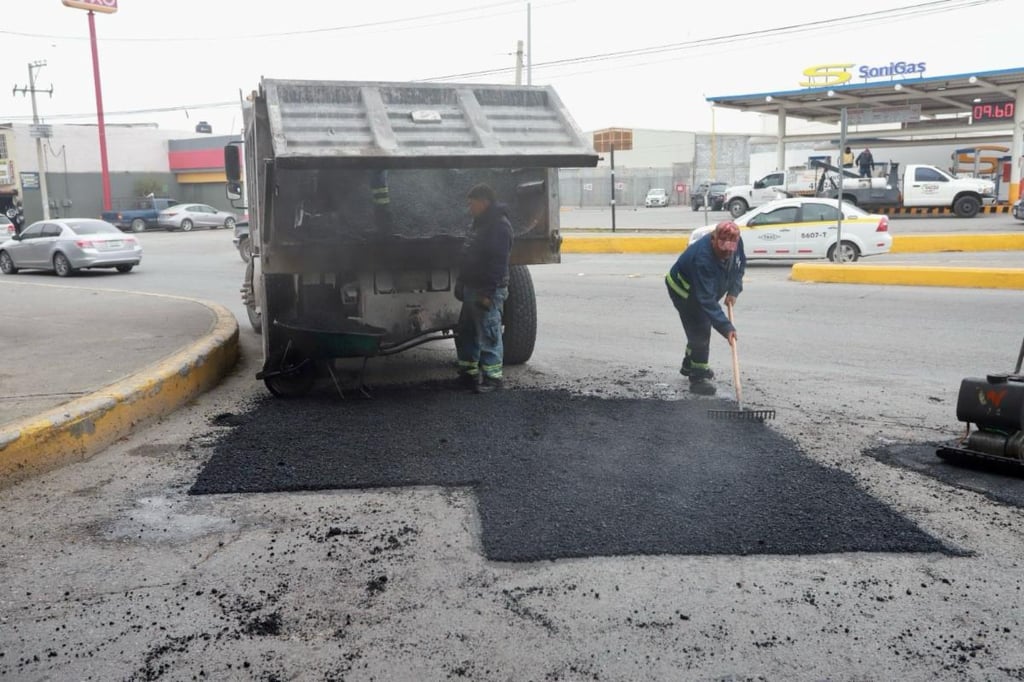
(103, 6)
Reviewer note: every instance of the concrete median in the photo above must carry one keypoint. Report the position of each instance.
(85, 425)
(919, 276)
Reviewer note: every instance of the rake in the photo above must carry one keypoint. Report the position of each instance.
(739, 414)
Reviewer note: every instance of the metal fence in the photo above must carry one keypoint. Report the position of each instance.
(592, 187)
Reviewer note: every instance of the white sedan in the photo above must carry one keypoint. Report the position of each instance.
(805, 228)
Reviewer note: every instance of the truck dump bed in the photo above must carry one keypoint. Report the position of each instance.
(376, 174)
(343, 124)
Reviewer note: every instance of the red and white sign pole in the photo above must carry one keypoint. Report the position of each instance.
(107, 7)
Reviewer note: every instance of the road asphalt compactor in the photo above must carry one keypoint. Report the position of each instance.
(356, 193)
(994, 405)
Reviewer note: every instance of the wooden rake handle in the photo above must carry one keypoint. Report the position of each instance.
(735, 364)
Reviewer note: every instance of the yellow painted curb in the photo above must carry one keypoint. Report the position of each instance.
(918, 276)
(80, 428)
(905, 243)
(638, 244)
(937, 243)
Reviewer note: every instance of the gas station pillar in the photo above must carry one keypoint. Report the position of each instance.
(1018, 146)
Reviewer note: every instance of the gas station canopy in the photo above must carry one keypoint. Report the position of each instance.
(937, 96)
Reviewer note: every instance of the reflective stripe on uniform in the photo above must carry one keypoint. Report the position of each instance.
(493, 371)
(381, 195)
(683, 293)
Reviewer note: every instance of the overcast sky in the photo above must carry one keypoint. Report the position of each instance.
(191, 53)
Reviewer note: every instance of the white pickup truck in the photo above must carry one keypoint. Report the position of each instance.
(920, 186)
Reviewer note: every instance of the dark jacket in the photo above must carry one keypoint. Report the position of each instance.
(484, 263)
(699, 277)
(865, 160)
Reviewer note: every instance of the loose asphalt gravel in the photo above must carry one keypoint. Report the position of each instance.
(559, 475)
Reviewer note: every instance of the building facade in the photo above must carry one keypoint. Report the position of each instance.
(142, 160)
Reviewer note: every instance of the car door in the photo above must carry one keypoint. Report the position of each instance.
(928, 187)
(48, 243)
(22, 253)
(763, 188)
(206, 215)
(816, 231)
(770, 234)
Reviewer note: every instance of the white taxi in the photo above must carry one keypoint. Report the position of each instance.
(805, 228)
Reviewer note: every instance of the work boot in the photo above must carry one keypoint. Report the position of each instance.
(687, 369)
(489, 384)
(702, 386)
(469, 381)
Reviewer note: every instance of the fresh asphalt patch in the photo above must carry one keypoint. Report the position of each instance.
(561, 475)
(999, 482)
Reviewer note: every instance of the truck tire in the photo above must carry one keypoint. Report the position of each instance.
(249, 299)
(966, 206)
(850, 199)
(519, 316)
(245, 249)
(737, 207)
(138, 225)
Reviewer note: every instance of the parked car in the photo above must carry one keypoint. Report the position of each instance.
(68, 245)
(184, 217)
(805, 228)
(1018, 209)
(656, 197)
(241, 239)
(7, 228)
(138, 214)
(715, 192)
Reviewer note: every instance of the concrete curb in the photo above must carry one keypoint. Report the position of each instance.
(918, 276)
(80, 428)
(910, 243)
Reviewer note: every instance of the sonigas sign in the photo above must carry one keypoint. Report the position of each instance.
(105, 6)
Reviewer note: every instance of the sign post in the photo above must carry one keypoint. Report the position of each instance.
(843, 122)
(104, 7)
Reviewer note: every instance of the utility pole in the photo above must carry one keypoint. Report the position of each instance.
(529, 44)
(37, 131)
(612, 148)
(519, 63)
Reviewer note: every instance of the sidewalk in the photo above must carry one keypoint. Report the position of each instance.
(84, 367)
(59, 343)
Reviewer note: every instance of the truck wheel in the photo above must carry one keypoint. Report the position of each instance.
(519, 316)
(966, 207)
(850, 253)
(249, 299)
(245, 249)
(737, 207)
(850, 199)
(138, 225)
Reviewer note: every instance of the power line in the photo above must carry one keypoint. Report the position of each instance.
(908, 11)
(934, 7)
(306, 32)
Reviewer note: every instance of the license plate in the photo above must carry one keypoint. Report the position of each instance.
(113, 245)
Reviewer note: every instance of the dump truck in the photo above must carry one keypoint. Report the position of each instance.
(356, 193)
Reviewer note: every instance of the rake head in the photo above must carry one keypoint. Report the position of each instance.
(742, 415)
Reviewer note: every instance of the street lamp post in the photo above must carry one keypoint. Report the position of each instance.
(106, 7)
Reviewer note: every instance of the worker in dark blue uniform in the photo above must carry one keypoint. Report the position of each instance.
(710, 268)
(482, 286)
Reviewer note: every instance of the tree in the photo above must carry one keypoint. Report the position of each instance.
(149, 185)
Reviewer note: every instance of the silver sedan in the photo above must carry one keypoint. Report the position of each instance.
(186, 216)
(68, 245)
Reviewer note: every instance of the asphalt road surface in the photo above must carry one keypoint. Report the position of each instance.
(111, 570)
